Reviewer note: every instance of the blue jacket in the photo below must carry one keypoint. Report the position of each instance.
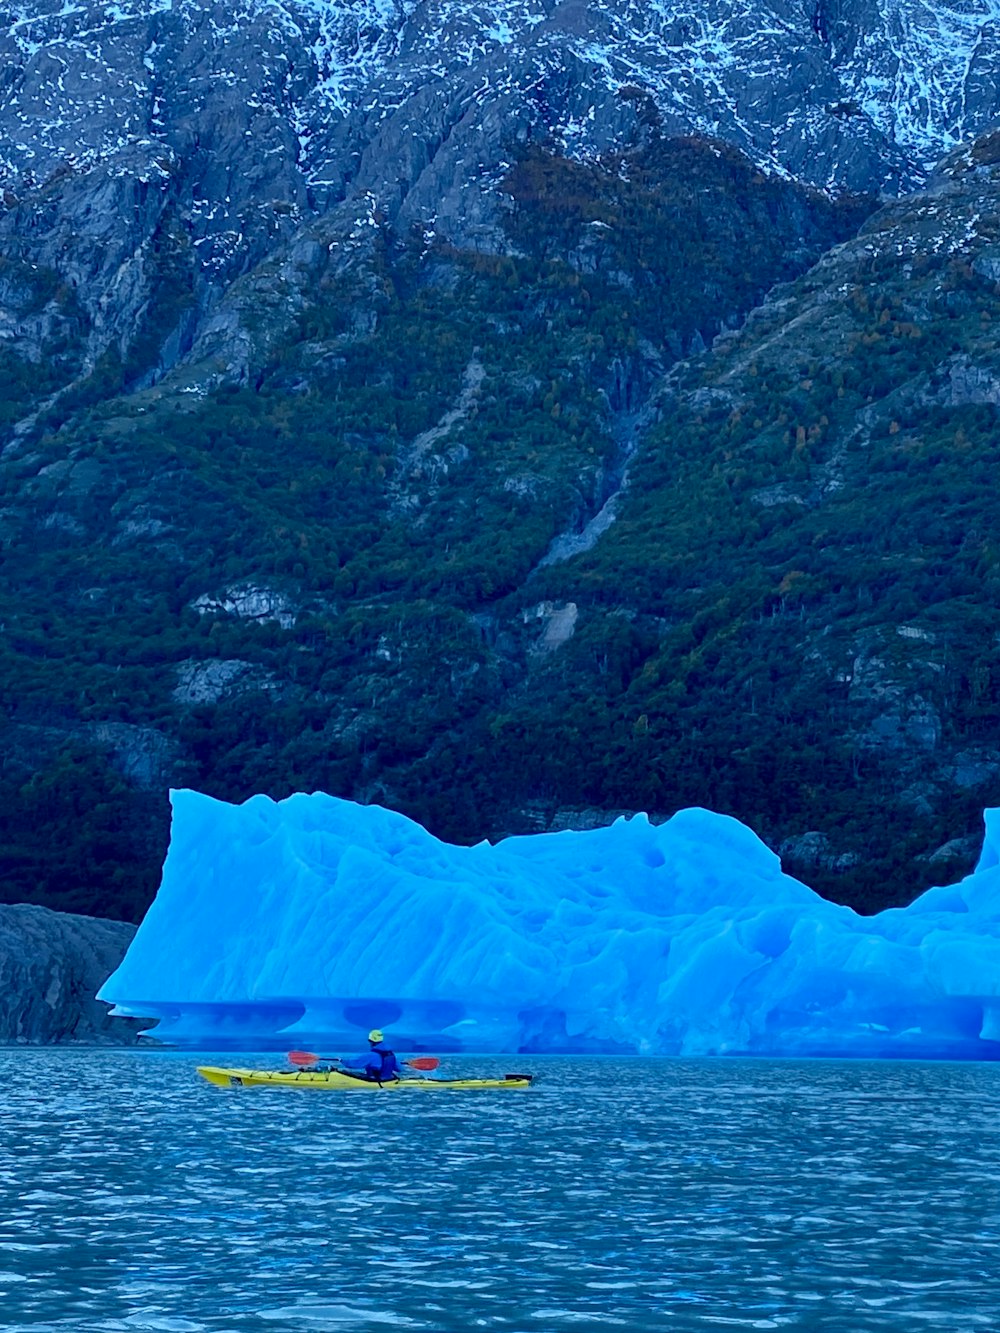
(379, 1064)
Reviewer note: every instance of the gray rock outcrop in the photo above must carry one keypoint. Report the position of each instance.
(51, 965)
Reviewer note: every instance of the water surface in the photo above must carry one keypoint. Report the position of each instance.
(634, 1194)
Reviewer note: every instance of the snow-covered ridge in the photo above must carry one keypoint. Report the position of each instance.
(926, 72)
(870, 94)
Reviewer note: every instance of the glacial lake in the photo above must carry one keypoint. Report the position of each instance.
(644, 1195)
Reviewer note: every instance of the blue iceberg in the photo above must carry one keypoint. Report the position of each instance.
(307, 921)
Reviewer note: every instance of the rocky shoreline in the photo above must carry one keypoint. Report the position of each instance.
(51, 966)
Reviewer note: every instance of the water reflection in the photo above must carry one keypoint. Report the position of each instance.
(643, 1195)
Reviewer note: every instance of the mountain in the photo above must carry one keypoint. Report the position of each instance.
(813, 519)
(153, 153)
(381, 413)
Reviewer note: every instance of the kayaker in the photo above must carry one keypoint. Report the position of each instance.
(377, 1065)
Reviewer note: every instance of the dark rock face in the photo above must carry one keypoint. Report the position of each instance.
(51, 965)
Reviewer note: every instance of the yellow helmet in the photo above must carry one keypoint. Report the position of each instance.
(376, 1035)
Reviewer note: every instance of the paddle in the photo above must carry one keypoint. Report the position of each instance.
(308, 1058)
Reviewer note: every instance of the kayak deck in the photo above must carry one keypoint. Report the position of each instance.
(327, 1080)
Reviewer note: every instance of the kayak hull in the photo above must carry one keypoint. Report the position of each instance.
(331, 1080)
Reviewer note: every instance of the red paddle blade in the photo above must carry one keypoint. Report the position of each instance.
(302, 1058)
(423, 1062)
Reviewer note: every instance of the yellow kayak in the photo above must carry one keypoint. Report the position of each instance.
(329, 1079)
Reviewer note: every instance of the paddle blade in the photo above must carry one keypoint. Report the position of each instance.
(422, 1062)
(302, 1058)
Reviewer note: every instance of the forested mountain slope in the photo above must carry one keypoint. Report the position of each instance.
(359, 430)
(814, 520)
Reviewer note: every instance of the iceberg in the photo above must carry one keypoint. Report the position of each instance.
(305, 922)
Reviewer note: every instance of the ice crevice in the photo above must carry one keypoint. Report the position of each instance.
(312, 919)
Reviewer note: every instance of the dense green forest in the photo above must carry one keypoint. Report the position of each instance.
(334, 574)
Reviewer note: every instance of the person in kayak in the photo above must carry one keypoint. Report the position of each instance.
(377, 1065)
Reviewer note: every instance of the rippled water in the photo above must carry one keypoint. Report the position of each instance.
(641, 1194)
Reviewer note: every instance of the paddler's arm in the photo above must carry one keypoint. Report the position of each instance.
(358, 1062)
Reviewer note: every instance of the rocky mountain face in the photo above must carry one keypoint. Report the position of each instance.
(380, 412)
(152, 153)
(51, 966)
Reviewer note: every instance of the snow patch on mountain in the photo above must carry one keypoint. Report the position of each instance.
(876, 92)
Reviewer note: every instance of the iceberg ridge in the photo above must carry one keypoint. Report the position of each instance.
(311, 919)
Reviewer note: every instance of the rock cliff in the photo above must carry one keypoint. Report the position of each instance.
(51, 966)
